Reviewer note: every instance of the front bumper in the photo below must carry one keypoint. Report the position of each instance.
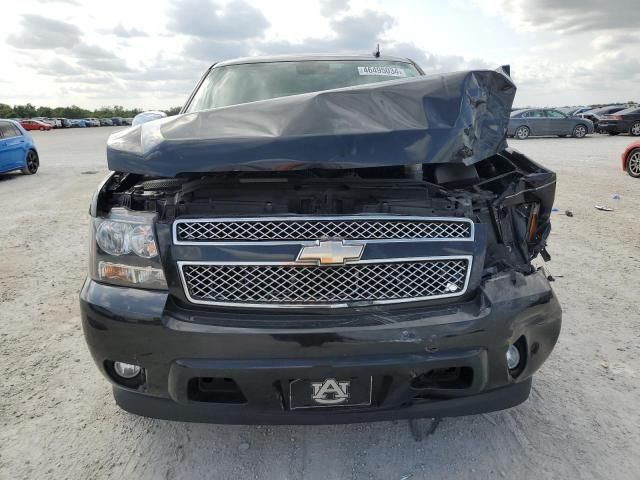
(176, 345)
(156, 407)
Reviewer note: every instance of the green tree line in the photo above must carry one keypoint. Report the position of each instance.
(73, 111)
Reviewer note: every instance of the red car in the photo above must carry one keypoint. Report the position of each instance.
(34, 125)
(631, 159)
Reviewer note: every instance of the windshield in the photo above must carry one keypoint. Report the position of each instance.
(251, 82)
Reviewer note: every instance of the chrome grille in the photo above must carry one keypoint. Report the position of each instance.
(293, 229)
(297, 285)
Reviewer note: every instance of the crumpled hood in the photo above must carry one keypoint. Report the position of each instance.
(450, 118)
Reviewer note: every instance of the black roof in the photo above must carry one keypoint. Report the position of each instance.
(307, 57)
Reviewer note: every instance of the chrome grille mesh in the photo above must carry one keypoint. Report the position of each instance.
(303, 285)
(300, 230)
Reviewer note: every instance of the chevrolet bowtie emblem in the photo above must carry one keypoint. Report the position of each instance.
(330, 252)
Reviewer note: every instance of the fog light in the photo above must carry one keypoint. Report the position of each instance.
(126, 370)
(513, 357)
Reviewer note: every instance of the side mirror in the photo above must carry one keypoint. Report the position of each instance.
(145, 117)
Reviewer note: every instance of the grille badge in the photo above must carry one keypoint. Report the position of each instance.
(330, 252)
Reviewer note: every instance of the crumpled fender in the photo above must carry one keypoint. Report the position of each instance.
(450, 118)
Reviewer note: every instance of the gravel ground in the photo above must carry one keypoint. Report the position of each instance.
(58, 419)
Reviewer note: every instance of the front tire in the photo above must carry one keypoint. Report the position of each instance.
(33, 163)
(579, 131)
(522, 132)
(635, 129)
(633, 163)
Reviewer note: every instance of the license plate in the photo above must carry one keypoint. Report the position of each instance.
(330, 392)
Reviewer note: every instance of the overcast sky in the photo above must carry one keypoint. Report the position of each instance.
(150, 53)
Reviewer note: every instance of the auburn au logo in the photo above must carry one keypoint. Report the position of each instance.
(331, 391)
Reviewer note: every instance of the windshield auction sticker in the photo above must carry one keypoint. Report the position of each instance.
(382, 70)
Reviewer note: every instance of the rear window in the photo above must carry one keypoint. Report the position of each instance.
(629, 110)
(251, 82)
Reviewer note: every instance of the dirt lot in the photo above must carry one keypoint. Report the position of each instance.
(58, 419)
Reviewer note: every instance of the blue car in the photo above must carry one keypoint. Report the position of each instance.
(17, 150)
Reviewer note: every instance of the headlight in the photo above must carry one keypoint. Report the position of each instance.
(114, 238)
(143, 241)
(124, 250)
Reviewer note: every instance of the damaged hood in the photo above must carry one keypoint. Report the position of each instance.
(459, 117)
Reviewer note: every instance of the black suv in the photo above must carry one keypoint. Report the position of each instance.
(322, 239)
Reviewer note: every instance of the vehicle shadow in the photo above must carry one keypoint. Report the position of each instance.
(480, 446)
(9, 176)
(548, 137)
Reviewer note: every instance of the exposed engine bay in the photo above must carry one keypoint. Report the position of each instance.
(508, 191)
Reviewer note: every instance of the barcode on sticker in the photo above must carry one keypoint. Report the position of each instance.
(386, 71)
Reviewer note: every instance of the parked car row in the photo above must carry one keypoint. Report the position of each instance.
(17, 150)
(613, 119)
(45, 123)
(576, 122)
